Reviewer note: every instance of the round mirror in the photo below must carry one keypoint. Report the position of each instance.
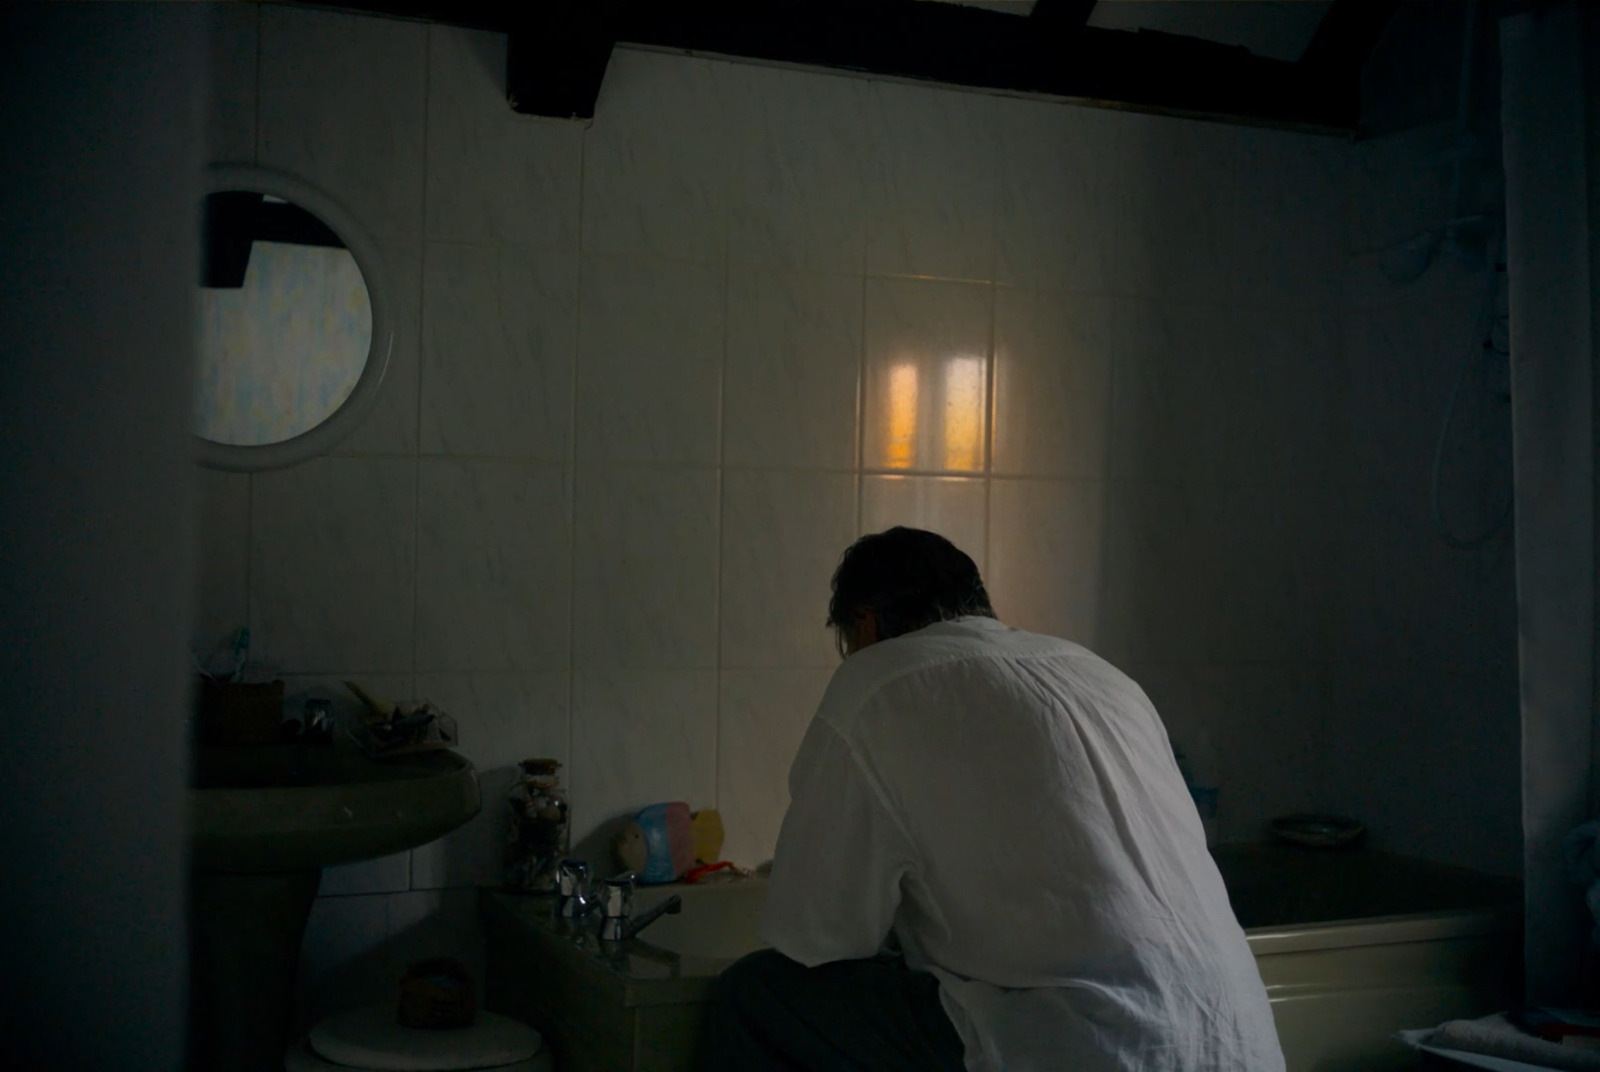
(293, 338)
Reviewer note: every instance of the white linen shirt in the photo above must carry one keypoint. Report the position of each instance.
(1007, 805)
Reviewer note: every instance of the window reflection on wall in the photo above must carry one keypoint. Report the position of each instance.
(930, 414)
(902, 416)
(964, 396)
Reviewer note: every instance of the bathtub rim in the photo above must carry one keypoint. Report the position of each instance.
(1362, 931)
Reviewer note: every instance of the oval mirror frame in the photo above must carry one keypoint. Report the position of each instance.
(327, 434)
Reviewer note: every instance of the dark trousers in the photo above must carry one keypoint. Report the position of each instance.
(771, 1014)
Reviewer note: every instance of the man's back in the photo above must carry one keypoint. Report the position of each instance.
(1009, 806)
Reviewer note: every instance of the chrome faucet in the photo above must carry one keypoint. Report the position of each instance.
(616, 903)
(577, 900)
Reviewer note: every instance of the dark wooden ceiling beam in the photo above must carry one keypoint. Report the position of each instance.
(556, 57)
(1060, 16)
(472, 14)
(558, 49)
(1333, 60)
(905, 38)
(1165, 72)
(1347, 34)
(958, 45)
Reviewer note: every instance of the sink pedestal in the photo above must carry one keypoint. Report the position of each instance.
(265, 821)
(244, 943)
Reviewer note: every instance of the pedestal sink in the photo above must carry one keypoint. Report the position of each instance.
(265, 820)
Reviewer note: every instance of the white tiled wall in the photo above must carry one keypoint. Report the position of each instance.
(638, 407)
(513, 308)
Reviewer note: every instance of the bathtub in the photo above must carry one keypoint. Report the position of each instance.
(1353, 945)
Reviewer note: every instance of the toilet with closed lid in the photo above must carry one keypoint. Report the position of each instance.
(370, 1040)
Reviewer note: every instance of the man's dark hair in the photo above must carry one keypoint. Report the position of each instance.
(907, 578)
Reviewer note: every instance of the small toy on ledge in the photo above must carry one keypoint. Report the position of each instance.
(391, 729)
(668, 843)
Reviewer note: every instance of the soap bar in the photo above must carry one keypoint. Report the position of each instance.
(669, 841)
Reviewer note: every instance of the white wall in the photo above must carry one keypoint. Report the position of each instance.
(633, 420)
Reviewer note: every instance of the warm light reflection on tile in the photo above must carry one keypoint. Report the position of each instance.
(963, 413)
(901, 447)
(933, 414)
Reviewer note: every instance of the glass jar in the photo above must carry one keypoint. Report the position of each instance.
(537, 839)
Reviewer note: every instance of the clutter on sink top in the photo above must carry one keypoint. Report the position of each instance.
(396, 729)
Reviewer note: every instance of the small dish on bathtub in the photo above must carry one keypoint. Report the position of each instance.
(1317, 831)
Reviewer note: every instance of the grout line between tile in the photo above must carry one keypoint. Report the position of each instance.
(1110, 501)
(861, 411)
(722, 492)
(255, 132)
(522, 462)
(249, 547)
(420, 330)
(991, 373)
(417, 346)
(571, 466)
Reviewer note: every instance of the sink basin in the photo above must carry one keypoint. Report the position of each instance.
(274, 808)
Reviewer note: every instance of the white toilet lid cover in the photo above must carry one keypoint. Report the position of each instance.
(371, 1038)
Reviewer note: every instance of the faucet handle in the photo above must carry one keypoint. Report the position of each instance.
(574, 878)
(616, 905)
(617, 898)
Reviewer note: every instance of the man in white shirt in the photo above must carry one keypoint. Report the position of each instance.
(990, 861)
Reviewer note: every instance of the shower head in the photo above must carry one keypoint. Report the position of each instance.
(1467, 240)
